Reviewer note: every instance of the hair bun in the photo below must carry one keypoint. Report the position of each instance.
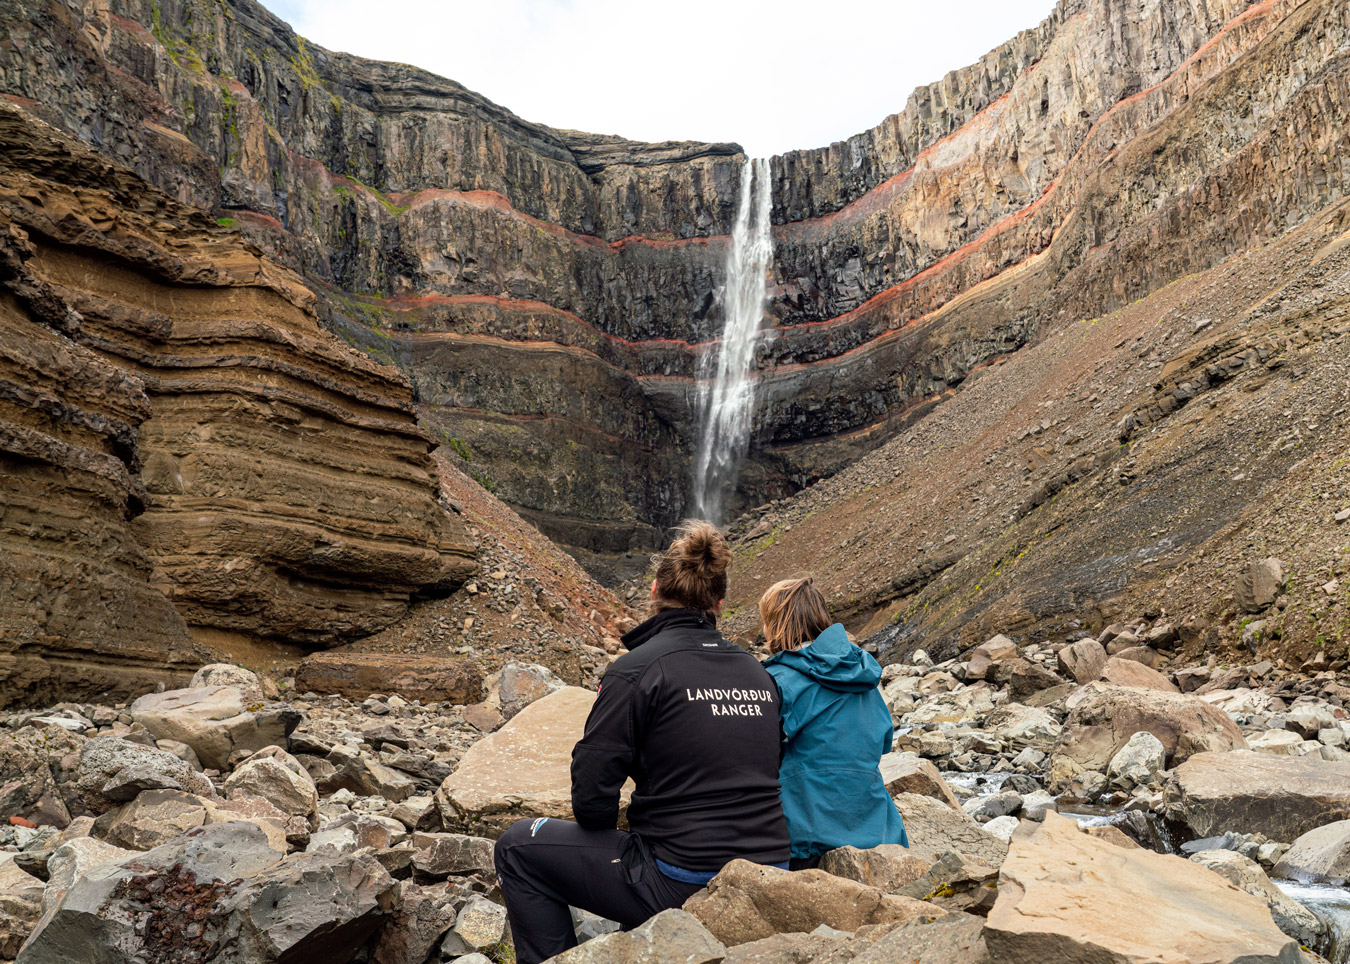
(693, 571)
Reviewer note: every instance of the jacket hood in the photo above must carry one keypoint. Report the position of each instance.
(833, 662)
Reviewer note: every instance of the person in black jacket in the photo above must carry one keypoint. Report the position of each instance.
(693, 720)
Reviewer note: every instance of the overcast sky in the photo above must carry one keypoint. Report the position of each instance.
(771, 76)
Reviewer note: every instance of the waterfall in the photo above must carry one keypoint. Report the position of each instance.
(727, 397)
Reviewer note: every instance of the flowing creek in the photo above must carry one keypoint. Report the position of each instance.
(1331, 903)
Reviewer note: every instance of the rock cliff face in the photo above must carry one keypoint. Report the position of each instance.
(552, 294)
(187, 458)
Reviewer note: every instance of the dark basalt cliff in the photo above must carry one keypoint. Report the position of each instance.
(551, 293)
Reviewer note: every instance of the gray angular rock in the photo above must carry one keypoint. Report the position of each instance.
(1322, 852)
(748, 902)
(441, 855)
(216, 721)
(521, 684)
(671, 937)
(908, 773)
(364, 775)
(227, 674)
(1082, 660)
(887, 867)
(278, 778)
(112, 771)
(1259, 585)
(1246, 875)
(263, 909)
(934, 828)
(1282, 797)
(423, 916)
(1138, 762)
(479, 924)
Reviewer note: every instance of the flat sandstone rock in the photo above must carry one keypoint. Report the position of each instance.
(1065, 896)
(522, 770)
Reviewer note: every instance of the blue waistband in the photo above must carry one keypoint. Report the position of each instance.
(699, 877)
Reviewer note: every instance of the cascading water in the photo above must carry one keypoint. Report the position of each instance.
(727, 397)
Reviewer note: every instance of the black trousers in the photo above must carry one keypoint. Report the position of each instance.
(544, 865)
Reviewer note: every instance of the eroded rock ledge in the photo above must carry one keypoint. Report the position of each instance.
(187, 455)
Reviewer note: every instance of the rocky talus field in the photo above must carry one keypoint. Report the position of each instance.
(340, 409)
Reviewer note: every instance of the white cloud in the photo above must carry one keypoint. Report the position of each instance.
(770, 76)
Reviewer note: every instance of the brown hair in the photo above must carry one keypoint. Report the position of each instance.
(793, 612)
(692, 573)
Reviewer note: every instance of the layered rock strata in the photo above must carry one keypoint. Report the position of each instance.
(188, 455)
(552, 294)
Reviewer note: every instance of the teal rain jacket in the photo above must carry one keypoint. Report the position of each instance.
(836, 727)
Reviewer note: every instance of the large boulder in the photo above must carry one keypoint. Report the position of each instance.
(1022, 726)
(113, 771)
(522, 770)
(935, 828)
(218, 893)
(1066, 896)
(1282, 797)
(953, 938)
(158, 816)
(1321, 852)
(671, 937)
(1138, 762)
(215, 721)
(278, 778)
(909, 773)
(1246, 875)
(1082, 660)
(423, 916)
(748, 901)
(521, 684)
(1106, 717)
(359, 675)
(74, 860)
(1119, 671)
(1259, 584)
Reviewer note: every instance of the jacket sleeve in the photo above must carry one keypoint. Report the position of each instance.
(603, 758)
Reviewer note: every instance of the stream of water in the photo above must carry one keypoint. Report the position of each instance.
(727, 393)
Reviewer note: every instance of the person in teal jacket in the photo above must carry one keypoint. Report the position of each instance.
(835, 728)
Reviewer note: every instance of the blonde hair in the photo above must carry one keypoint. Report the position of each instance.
(692, 573)
(793, 612)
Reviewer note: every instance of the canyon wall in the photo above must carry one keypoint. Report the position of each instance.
(191, 465)
(551, 295)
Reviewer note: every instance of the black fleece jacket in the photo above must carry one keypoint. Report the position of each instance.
(693, 719)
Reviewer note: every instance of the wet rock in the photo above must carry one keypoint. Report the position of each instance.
(521, 770)
(1108, 716)
(1246, 875)
(1279, 796)
(748, 902)
(112, 771)
(278, 778)
(671, 937)
(1323, 852)
(1259, 585)
(215, 721)
(887, 867)
(1082, 660)
(521, 684)
(935, 828)
(1065, 896)
(1138, 762)
(358, 675)
(908, 773)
